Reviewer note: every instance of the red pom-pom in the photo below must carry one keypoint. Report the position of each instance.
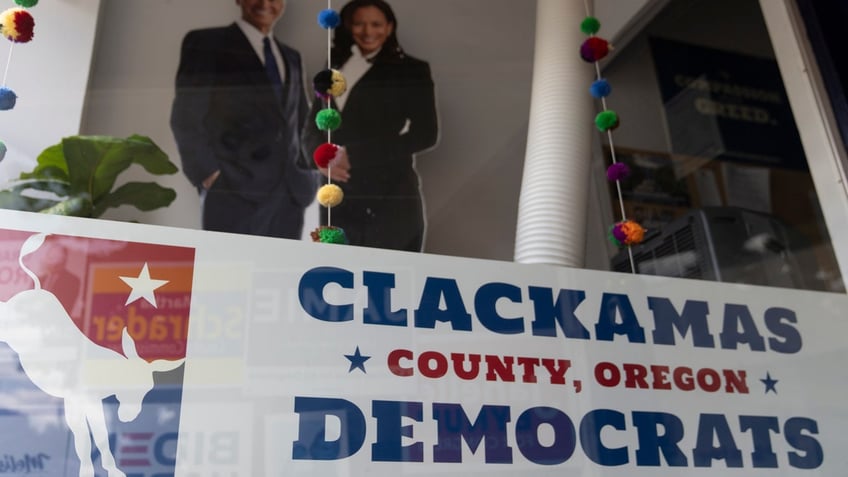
(593, 49)
(324, 154)
(17, 25)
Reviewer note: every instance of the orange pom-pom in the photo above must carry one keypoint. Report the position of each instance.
(633, 232)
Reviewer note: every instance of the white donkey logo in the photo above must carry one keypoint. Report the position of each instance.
(38, 328)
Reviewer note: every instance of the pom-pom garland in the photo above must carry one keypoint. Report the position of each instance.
(606, 120)
(328, 119)
(8, 98)
(17, 25)
(330, 195)
(328, 19)
(324, 154)
(618, 171)
(329, 83)
(626, 232)
(594, 49)
(590, 25)
(600, 89)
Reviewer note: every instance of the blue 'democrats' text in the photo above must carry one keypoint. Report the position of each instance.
(659, 436)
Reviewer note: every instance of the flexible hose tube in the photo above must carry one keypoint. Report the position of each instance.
(551, 225)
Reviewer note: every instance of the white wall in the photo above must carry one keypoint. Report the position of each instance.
(49, 74)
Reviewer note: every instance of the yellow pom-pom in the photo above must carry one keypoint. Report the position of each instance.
(330, 195)
(338, 84)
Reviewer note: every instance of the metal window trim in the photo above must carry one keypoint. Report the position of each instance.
(826, 155)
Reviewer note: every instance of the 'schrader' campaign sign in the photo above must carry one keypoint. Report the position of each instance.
(130, 350)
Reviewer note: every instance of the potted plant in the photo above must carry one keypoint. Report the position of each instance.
(78, 176)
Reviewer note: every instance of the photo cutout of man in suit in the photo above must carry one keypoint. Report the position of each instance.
(239, 108)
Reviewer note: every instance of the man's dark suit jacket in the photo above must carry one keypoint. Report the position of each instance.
(226, 116)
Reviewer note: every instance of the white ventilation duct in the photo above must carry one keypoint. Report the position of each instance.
(554, 190)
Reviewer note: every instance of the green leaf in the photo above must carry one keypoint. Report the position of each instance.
(85, 154)
(47, 173)
(50, 163)
(144, 196)
(56, 186)
(149, 156)
(103, 158)
(88, 167)
(13, 200)
(79, 206)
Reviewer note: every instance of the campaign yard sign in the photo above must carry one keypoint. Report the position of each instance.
(188, 353)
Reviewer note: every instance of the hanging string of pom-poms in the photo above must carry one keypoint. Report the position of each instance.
(625, 232)
(18, 26)
(328, 84)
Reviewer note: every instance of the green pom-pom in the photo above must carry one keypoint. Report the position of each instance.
(26, 3)
(332, 235)
(590, 25)
(328, 119)
(606, 120)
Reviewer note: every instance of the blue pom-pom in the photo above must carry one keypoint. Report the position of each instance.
(600, 89)
(7, 99)
(328, 19)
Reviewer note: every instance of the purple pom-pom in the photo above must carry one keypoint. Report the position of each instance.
(618, 233)
(600, 89)
(618, 171)
(328, 19)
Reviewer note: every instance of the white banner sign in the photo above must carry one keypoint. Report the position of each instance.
(151, 352)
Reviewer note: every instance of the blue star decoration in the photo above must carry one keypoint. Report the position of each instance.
(357, 361)
(770, 383)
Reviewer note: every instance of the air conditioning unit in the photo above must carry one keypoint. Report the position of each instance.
(726, 244)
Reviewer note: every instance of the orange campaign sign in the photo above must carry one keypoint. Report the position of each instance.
(90, 321)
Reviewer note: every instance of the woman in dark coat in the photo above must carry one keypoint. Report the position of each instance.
(388, 114)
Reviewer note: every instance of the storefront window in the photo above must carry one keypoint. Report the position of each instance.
(719, 177)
